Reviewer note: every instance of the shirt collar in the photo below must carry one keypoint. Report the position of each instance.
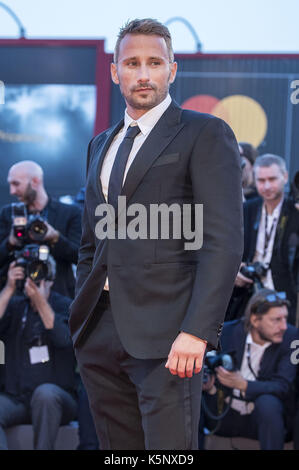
(148, 120)
(250, 341)
(276, 212)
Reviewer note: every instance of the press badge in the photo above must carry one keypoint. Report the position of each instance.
(39, 354)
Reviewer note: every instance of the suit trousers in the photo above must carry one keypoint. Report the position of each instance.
(137, 404)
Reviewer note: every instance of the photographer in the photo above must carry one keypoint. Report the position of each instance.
(262, 381)
(62, 224)
(38, 378)
(271, 230)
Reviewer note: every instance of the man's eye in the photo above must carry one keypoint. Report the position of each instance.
(155, 62)
(132, 63)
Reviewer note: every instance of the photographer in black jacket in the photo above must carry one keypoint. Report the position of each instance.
(63, 224)
(38, 378)
(262, 383)
(271, 234)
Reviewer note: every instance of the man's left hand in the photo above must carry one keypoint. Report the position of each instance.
(52, 235)
(186, 355)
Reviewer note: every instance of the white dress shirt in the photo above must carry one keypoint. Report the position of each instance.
(265, 258)
(256, 354)
(146, 123)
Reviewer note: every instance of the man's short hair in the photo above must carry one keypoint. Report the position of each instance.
(269, 159)
(147, 26)
(261, 302)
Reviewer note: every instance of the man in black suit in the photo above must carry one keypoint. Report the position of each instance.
(271, 232)
(146, 307)
(63, 222)
(262, 385)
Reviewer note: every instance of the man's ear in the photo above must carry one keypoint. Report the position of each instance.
(173, 70)
(35, 182)
(114, 76)
(286, 177)
(254, 319)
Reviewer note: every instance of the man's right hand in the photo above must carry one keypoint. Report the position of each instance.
(14, 273)
(241, 280)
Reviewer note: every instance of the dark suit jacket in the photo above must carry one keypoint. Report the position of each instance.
(276, 374)
(157, 288)
(285, 255)
(67, 220)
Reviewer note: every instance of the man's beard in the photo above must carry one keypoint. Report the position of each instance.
(275, 196)
(29, 195)
(266, 338)
(156, 98)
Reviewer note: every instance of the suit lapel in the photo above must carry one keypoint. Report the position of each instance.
(161, 135)
(281, 225)
(268, 360)
(100, 154)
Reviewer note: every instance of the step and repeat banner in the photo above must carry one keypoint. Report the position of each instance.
(56, 94)
(257, 95)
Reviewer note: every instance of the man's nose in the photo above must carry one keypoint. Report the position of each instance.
(284, 324)
(143, 73)
(267, 184)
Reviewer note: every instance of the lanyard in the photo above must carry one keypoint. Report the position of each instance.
(24, 317)
(268, 236)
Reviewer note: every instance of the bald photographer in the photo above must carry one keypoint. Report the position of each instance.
(38, 218)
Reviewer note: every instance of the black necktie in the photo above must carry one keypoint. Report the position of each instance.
(119, 165)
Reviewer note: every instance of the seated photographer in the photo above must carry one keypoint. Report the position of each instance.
(38, 378)
(60, 227)
(253, 397)
(271, 234)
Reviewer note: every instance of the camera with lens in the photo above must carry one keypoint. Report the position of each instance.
(255, 271)
(213, 360)
(27, 228)
(37, 263)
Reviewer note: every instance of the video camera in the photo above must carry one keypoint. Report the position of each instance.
(27, 228)
(37, 262)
